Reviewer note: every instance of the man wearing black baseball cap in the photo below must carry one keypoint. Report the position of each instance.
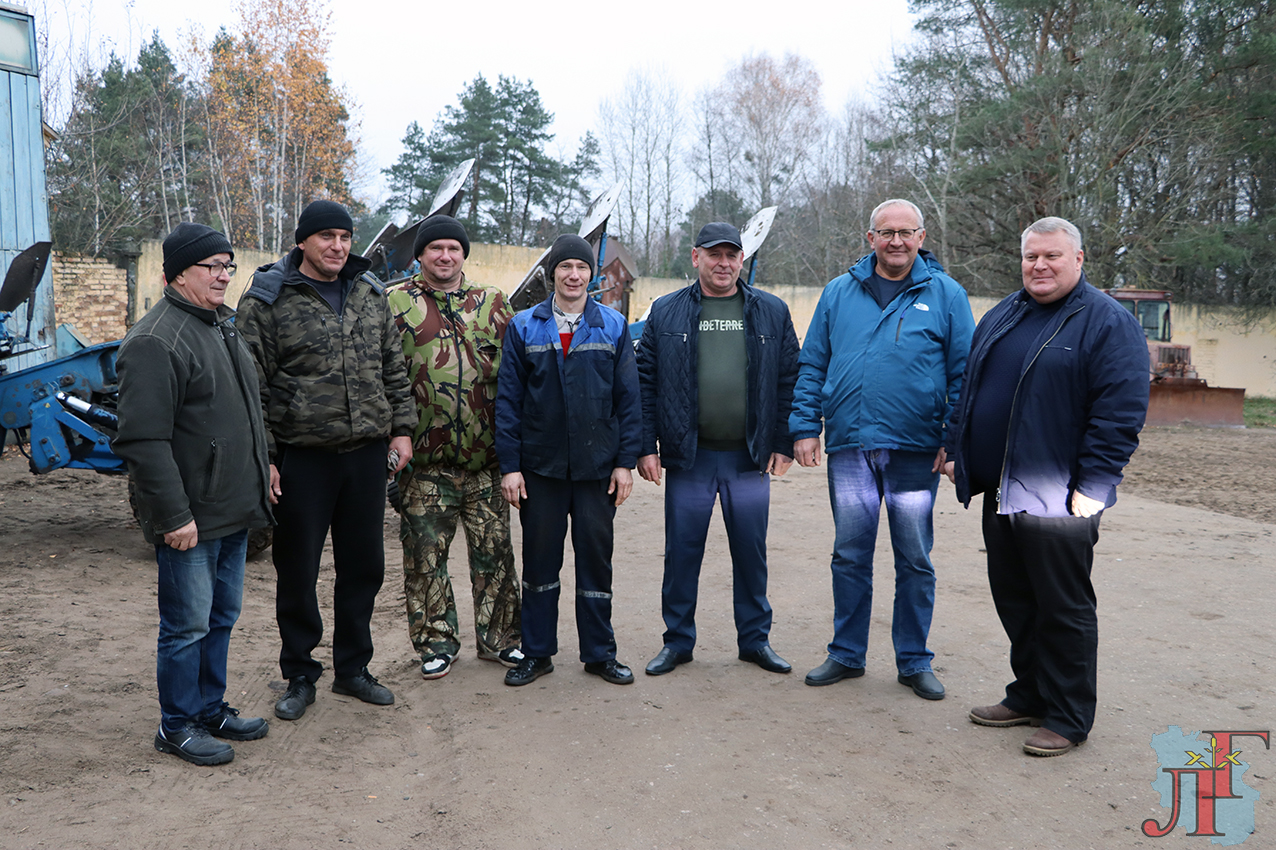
(716, 364)
(191, 432)
(338, 408)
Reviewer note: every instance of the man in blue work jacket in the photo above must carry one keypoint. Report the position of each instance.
(568, 429)
(880, 370)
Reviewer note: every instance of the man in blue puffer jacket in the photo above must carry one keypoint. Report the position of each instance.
(568, 428)
(716, 364)
(881, 369)
(1056, 390)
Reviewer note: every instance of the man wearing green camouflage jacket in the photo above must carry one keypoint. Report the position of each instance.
(334, 387)
(452, 332)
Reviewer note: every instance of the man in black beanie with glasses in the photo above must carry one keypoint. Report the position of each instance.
(191, 432)
(338, 411)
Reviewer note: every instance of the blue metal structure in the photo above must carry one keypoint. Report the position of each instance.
(24, 203)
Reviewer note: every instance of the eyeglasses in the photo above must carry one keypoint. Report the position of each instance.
(889, 235)
(216, 269)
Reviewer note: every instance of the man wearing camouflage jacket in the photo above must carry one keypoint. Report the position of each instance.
(337, 406)
(452, 332)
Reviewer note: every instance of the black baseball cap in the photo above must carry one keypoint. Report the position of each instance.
(718, 232)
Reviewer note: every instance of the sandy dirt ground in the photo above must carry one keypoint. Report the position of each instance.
(718, 754)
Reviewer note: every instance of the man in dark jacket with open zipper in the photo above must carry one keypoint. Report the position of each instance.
(1054, 396)
(717, 363)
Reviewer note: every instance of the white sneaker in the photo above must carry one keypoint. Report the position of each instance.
(436, 666)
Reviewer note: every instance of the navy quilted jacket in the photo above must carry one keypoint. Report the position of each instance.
(668, 377)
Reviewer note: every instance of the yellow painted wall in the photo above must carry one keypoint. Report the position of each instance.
(1227, 351)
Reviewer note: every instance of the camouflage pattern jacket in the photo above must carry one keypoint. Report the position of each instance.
(327, 380)
(452, 341)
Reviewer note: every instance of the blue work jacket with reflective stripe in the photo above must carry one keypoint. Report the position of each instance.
(576, 417)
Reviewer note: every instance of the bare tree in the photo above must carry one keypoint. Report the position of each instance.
(639, 131)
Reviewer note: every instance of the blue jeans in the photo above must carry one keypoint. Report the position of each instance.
(746, 499)
(858, 482)
(200, 591)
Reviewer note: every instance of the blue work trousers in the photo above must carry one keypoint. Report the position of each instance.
(200, 593)
(859, 481)
(543, 516)
(745, 492)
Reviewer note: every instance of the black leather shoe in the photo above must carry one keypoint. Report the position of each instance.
(192, 743)
(832, 671)
(229, 725)
(666, 659)
(364, 687)
(528, 671)
(612, 671)
(924, 684)
(765, 657)
(300, 693)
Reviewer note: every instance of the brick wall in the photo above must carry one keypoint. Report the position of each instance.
(92, 295)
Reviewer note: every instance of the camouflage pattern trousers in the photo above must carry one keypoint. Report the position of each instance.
(434, 498)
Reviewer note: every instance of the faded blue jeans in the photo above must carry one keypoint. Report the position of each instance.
(858, 483)
(200, 594)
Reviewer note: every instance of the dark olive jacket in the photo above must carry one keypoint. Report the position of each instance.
(190, 422)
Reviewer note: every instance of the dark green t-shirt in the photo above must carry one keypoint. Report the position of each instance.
(721, 373)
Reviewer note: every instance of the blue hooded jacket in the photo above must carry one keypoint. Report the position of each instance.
(883, 379)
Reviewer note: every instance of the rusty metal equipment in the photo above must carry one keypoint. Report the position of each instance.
(1177, 395)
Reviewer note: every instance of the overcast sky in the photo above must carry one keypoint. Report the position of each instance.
(404, 61)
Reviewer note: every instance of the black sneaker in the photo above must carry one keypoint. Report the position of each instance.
(192, 743)
(528, 671)
(363, 686)
(300, 693)
(229, 725)
(612, 671)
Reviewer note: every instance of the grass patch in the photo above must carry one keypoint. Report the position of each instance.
(1260, 412)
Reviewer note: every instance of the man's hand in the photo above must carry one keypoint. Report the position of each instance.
(622, 484)
(183, 538)
(779, 464)
(807, 451)
(275, 491)
(402, 445)
(950, 470)
(1084, 506)
(649, 468)
(939, 460)
(513, 488)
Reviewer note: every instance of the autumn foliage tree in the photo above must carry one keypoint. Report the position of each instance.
(278, 128)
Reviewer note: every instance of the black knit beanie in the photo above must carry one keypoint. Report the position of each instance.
(188, 244)
(440, 227)
(569, 246)
(322, 215)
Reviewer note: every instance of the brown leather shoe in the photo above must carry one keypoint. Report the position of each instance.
(1043, 742)
(998, 715)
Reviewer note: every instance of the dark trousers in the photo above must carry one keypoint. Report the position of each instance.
(1039, 572)
(344, 491)
(543, 516)
(746, 500)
